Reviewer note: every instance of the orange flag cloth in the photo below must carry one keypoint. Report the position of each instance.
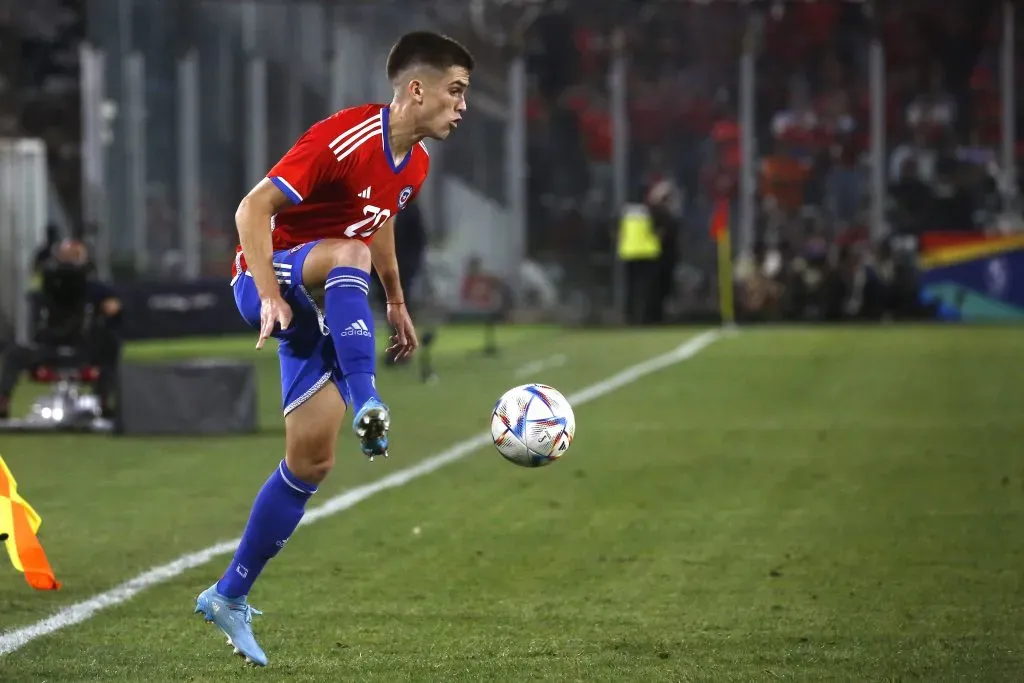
(18, 526)
(720, 220)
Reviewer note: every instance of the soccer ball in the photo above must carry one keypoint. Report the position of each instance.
(532, 425)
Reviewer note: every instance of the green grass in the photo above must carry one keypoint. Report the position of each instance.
(806, 504)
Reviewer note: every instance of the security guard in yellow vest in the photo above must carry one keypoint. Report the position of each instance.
(639, 248)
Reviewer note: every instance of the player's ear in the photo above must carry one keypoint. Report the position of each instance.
(416, 90)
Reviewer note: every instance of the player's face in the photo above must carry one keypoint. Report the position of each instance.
(444, 102)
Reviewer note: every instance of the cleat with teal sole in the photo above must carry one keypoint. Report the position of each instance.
(371, 425)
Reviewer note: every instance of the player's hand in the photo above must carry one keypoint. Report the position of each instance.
(274, 310)
(404, 341)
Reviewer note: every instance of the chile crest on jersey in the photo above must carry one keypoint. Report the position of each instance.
(382, 185)
(403, 196)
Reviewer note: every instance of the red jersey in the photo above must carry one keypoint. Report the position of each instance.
(343, 181)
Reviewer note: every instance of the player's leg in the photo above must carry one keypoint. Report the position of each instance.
(311, 429)
(314, 411)
(342, 267)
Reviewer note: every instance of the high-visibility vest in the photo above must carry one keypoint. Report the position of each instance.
(637, 239)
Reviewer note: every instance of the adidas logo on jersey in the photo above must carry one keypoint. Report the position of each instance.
(357, 328)
(365, 194)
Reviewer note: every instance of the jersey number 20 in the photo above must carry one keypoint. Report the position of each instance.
(368, 226)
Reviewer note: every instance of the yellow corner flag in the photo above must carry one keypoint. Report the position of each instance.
(18, 526)
(721, 233)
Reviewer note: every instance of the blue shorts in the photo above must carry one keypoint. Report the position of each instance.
(308, 361)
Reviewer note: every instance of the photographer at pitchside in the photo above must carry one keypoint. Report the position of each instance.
(75, 312)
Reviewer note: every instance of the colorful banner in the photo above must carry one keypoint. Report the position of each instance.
(974, 277)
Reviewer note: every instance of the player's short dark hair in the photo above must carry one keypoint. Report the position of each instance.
(427, 48)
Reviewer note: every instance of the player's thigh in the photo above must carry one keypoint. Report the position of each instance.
(311, 434)
(307, 318)
(247, 299)
(326, 255)
(313, 404)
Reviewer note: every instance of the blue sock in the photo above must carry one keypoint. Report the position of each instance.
(275, 514)
(349, 316)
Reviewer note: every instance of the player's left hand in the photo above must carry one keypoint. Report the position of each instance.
(404, 341)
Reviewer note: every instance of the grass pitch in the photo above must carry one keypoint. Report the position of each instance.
(804, 504)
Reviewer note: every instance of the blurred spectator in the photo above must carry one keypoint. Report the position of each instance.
(759, 289)
(73, 310)
(46, 250)
(954, 204)
(918, 150)
(665, 202)
(39, 81)
(911, 199)
(480, 290)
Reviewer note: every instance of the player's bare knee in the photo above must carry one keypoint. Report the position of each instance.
(349, 254)
(310, 464)
(309, 448)
(333, 253)
(311, 431)
(310, 453)
(320, 467)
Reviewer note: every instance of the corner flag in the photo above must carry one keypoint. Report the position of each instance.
(19, 524)
(720, 233)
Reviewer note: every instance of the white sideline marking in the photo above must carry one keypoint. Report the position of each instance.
(81, 611)
(533, 367)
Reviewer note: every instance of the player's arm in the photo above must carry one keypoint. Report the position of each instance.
(253, 219)
(303, 168)
(385, 262)
(297, 175)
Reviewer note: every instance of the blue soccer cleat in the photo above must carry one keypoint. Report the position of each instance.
(371, 425)
(233, 616)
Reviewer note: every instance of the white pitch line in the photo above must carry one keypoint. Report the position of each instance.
(86, 609)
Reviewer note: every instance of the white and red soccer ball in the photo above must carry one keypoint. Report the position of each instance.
(532, 425)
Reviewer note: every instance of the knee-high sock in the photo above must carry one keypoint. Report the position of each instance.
(279, 506)
(348, 315)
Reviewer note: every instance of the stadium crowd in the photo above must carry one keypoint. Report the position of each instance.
(942, 112)
(39, 84)
(813, 257)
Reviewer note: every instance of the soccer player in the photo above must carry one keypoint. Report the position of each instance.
(323, 215)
